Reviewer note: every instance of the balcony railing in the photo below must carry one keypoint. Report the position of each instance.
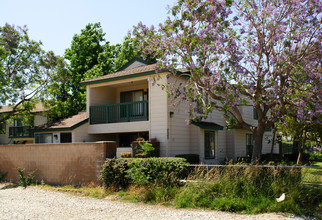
(120, 112)
(20, 132)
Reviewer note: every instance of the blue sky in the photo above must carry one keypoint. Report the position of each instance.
(55, 22)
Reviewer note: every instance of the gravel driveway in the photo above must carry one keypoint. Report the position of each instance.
(35, 203)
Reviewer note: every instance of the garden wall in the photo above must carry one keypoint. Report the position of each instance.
(72, 163)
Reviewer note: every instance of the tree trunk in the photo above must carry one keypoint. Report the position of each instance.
(301, 149)
(295, 147)
(273, 140)
(257, 144)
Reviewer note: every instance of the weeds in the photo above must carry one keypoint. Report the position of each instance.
(3, 176)
(26, 181)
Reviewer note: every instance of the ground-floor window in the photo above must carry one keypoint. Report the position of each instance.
(66, 137)
(249, 145)
(125, 139)
(46, 138)
(209, 145)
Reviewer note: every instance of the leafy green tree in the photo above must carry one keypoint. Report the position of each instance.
(25, 70)
(89, 56)
(66, 97)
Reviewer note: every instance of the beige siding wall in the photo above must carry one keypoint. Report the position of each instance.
(80, 134)
(230, 144)
(137, 126)
(158, 114)
(248, 115)
(183, 138)
(240, 142)
(4, 138)
(40, 120)
(102, 96)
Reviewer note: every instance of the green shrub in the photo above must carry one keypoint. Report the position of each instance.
(157, 171)
(120, 173)
(26, 181)
(114, 174)
(191, 158)
(146, 147)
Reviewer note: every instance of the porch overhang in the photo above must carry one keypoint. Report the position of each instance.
(208, 125)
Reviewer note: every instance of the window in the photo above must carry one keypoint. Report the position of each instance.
(17, 123)
(135, 109)
(255, 114)
(126, 139)
(43, 138)
(131, 96)
(249, 145)
(209, 145)
(66, 137)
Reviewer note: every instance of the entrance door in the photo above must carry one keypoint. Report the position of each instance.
(209, 145)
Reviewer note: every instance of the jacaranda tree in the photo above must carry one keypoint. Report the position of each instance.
(256, 53)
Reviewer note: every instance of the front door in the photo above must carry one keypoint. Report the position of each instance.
(209, 145)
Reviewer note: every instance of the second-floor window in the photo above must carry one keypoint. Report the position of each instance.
(255, 114)
(131, 96)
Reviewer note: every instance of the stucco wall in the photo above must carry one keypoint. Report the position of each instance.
(4, 138)
(73, 163)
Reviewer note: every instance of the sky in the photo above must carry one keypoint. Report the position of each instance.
(55, 22)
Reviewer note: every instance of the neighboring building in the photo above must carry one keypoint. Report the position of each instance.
(18, 133)
(126, 105)
(69, 130)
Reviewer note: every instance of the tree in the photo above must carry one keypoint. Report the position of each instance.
(66, 97)
(89, 56)
(242, 53)
(298, 122)
(25, 70)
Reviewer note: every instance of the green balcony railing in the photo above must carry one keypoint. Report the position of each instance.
(120, 112)
(20, 132)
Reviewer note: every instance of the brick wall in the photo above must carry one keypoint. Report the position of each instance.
(73, 163)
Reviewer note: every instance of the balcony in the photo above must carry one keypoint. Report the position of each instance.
(20, 132)
(120, 112)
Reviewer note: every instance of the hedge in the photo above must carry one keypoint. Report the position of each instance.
(120, 173)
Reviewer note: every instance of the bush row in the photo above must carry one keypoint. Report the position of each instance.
(120, 173)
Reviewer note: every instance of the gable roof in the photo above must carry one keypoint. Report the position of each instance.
(135, 59)
(64, 124)
(124, 74)
(38, 108)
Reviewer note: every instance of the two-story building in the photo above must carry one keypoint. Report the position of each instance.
(16, 132)
(126, 105)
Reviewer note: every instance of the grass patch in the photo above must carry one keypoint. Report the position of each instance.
(90, 190)
(312, 175)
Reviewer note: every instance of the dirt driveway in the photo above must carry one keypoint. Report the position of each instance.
(35, 203)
